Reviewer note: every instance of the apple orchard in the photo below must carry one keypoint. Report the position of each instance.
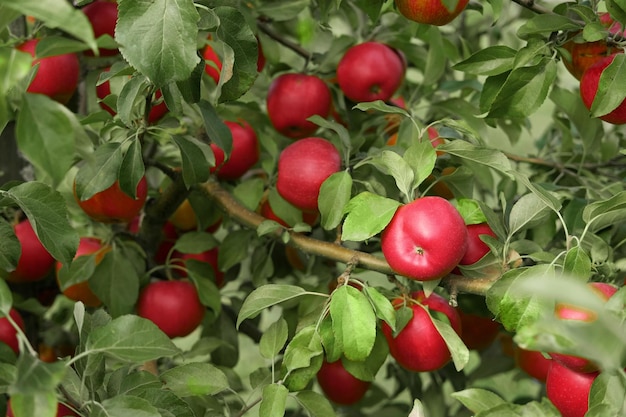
(313, 208)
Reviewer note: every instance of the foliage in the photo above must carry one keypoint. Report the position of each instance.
(521, 152)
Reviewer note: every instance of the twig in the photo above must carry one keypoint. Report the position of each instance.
(267, 29)
(531, 5)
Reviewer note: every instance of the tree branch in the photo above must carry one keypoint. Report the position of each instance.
(531, 5)
(267, 29)
(328, 250)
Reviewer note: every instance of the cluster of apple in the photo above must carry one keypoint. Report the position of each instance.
(587, 62)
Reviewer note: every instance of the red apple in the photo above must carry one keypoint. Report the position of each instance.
(57, 76)
(569, 390)
(210, 257)
(35, 262)
(302, 168)
(339, 385)
(244, 155)
(425, 239)
(532, 362)
(113, 205)
(214, 63)
(8, 334)
(370, 71)
(431, 12)
(476, 248)
(309, 218)
(479, 332)
(589, 87)
(569, 312)
(174, 306)
(292, 99)
(419, 347)
(102, 15)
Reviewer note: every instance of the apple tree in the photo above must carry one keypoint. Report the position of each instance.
(312, 207)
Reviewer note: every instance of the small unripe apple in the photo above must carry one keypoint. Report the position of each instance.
(57, 76)
(370, 71)
(292, 99)
(35, 262)
(302, 168)
(431, 12)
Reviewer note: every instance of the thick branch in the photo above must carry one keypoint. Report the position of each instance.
(328, 250)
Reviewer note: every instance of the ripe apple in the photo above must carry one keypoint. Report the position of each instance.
(302, 168)
(62, 410)
(532, 362)
(169, 235)
(476, 248)
(156, 112)
(214, 63)
(292, 99)
(244, 155)
(57, 76)
(210, 257)
(82, 291)
(569, 312)
(589, 87)
(339, 385)
(113, 205)
(8, 334)
(260, 60)
(102, 14)
(479, 332)
(431, 12)
(370, 71)
(419, 347)
(35, 262)
(425, 239)
(584, 54)
(569, 390)
(174, 306)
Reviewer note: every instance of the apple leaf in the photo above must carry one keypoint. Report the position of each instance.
(421, 157)
(45, 134)
(302, 349)
(548, 198)
(56, 14)
(611, 91)
(267, 296)
(47, 212)
(274, 401)
(367, 215)
(216, 129)
(156, 46)
(315, 403)
(125, 406)
(381, 106)
(40, 404)
(197, 158)
(527, 212)
(478, 400)
(10, 248)
(195, 242)
(390, 163)
(35, 376)
(14, 66)
(366, 370)
(546, 24)
(78, 271)
(577, 263)
(382, 306)
(608, 395)
(281, 10)
(167, 403)
(333, 197)
(100, 171)
(273, 339)
(354, 322)
(115, 281)
(131, 338)
(194, 379)
(6, 298)
(234, 248)
(617, 10)
(242, 69)
(458, 350)
(492, 60)
(132, 169)
(602, 213)
(492, 158)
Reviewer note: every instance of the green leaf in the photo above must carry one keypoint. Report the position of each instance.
(382, 306)
(265, 297)
(45, 134)
(381, 106)
(527, 212)
(35, 376)
(546, 24)
(40, 404)
(47, 212)
(458, 350)
(334, 195)
(14, 66)
(167, 403)
(216, 130)
(524, 90)
(234, 248)
(435, 60)
(578, 263)
(368, 214)
(611, 91)
(302, 349)
(609, 390)
(478, 400)
(131, 338)
(354, 322)
(237, 34)
(492, 158)
(274, 401)
(197, 159)
(603, 213)
(418, 409)
(116, 282)
(125, 406)
(155, 36)
(492, 60)
(281, 10)
(132, 169)
(470, 211)
(421, 157)
(390, 163)
(617, 10)
(342, 132)
(544, 195)
(250, 192)
(315, 403)
(195, 379)
(100, 171)
(195, 242)
(6, 298)
(10, 248)
(56, 14)
(273, 339)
